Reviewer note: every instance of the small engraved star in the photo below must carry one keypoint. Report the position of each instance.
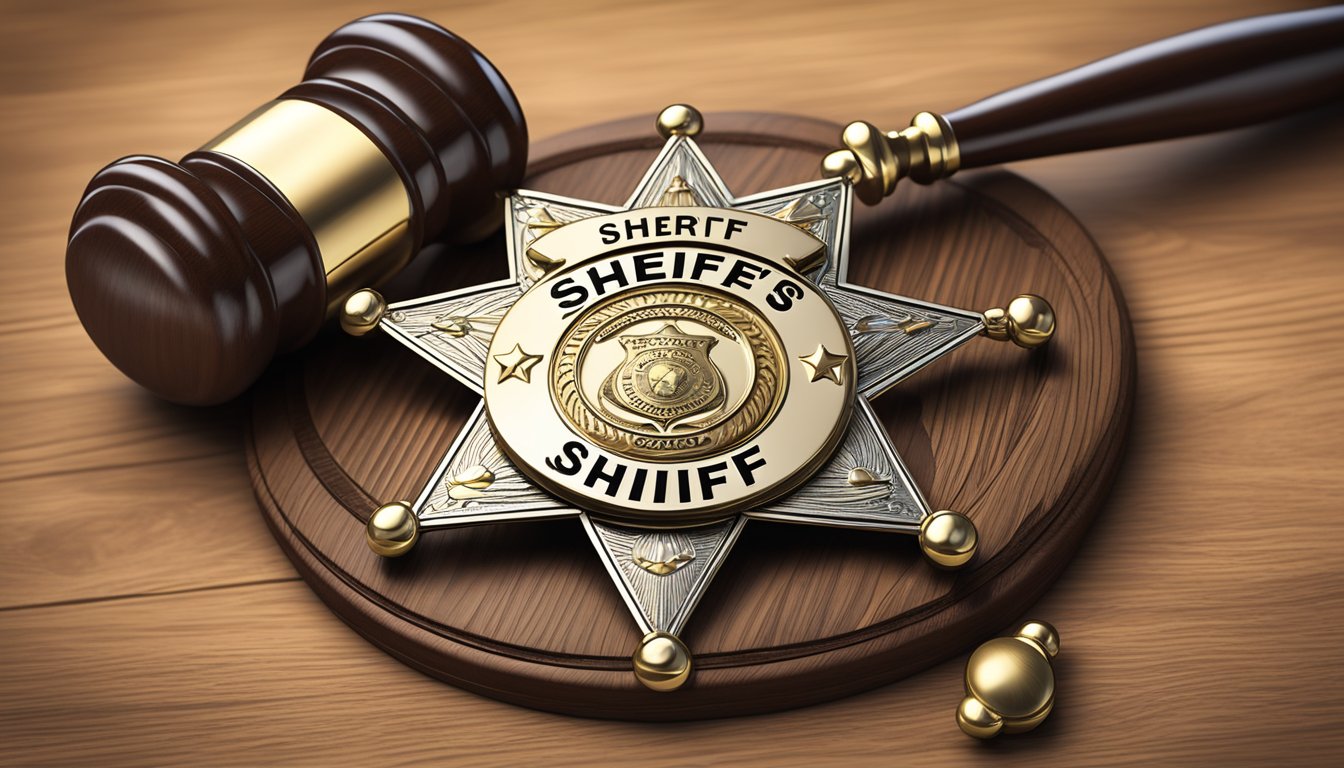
(824, 365)
(516, 364)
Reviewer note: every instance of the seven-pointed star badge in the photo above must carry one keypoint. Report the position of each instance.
(669, 369)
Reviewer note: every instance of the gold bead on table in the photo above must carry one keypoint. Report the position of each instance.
(680, 120)
(393, 529)
(842, 164)
(362, 312)
(948, 539)
(1010, 682)
(662, 661)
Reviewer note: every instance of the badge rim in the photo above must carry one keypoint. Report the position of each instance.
(801, 467)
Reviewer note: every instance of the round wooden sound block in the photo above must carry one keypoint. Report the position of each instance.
(1026, 444)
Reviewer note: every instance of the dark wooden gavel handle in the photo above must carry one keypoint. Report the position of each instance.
(1211, 79)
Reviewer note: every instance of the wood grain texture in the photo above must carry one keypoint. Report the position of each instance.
(1201, 619)
(1025, 445)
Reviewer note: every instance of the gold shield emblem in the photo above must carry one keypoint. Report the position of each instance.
(666, 377)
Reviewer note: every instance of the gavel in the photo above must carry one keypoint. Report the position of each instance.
(191, 276)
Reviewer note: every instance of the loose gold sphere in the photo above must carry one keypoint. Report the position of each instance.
(1031, 321)
(680, 120)
(362, 311)
(948, 539)
(662, 661)
(393, 529)
(1010, 682)
(976, 720)
(1011, 677)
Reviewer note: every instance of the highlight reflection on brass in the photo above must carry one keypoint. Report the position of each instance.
(822, 364)
(392, 530)
(1028, 322)
(948, 539)
(343, 186)
(662, 661)
(874, 161)
(362, 312)
(862, 476)
(680, 120)
(516, 364)
(541, 221)
(1010, 682)
(455, 326)
(470, 483)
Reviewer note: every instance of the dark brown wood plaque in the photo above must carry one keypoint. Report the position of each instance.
(1024, 443)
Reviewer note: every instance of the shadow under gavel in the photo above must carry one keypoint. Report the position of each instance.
(191, 276)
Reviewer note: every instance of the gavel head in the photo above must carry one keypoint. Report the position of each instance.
(191, 276)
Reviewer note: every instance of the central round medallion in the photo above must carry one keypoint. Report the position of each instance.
(669, 374)
(672, 385)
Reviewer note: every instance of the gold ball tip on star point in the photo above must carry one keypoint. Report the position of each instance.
(662, 661)
(393, 529)
(1030, 321)
(948, 539)
(362, 312)
(680, 120)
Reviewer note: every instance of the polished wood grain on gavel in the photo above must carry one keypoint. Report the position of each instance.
(191, 276)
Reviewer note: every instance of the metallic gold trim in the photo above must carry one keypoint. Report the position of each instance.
(362, 312)
(874, 161)
(1010, 682)
(340, 183)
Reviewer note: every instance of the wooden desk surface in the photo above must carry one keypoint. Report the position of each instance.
(146, 616)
